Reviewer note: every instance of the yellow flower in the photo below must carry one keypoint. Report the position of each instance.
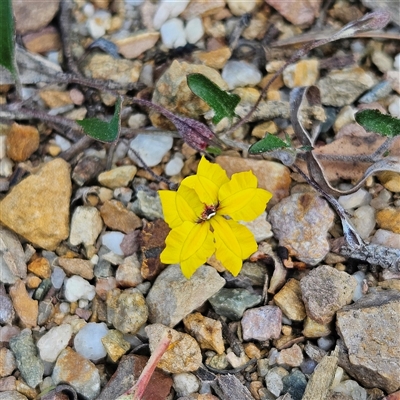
(202, 214)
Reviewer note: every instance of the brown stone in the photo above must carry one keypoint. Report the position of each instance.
(76, 266)
(313, 329)
(202, 8)
(22, 141)
(43, 41)
(33, 15)
(32, 281)
(133, 46)
(301, 12)
(214, 58)
(38, 207)
(271, 175)
(25, 307)
(117, 177)
(152, 242)
(390, 180)
(117, 217)
(289, 300)
(389, 219)
(55, 98)
(40, 267)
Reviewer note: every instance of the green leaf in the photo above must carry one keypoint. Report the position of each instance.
(269, 143)
(101, 130)
(215, 151)
(223, 103)
(7, 48)
(375, 121)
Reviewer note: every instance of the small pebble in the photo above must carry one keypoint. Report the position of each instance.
(168, 9)
(273, 380)
(364, 221)
(352, 389)
(240, 74)
(295, 384)
(78, 288)
(396, 62)
(185, 384)
(54, 341)
(386, 238)
(113, 240)
(358, 292)
(262, 323)
(173, 33)
(394, 107)
(174, 166)
(355, 200)
(151, 148)
(87, 341)
(137, 121)
(98, 23)
(194, 30)
(326, 343)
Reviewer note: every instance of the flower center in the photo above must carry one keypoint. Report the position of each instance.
(209, 212)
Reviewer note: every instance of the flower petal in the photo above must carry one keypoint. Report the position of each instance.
(190, 245)
(180, 206)
(233, 243)
(209, 178)
(241, 199)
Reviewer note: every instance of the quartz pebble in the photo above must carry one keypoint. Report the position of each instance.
(87, 341)
(240, 74)
(99, 23)
(174, 166)
(53, 342)
(185, 384)
(364, 221)
(57, 277)
(77, 288)
(354, 200)
(262, 323)
(151, 148)
(273, 380)
(166, 10)
(386, 238)
(113, 240)
(352, 389)
(86, 225)
(194, 30)
(173, 33)
(260, 228)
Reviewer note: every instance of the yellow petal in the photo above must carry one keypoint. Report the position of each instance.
(189, 245)
(241, 199)
(233, 243)
(180, 206)
(209, 178)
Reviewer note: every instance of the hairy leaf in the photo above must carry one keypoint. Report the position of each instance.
(268, 143)
(375, 121)
(7, 48)
(102, 130)
(223, 103)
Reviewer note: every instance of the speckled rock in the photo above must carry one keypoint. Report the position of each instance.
(54, 341)
(300, 13)
(22, 142)
(326, 290)
(303, 73)
(12, 257)
(289, 300)
(81, 374)
(291, 357)
(115, 344)
(28, 362)
(147, 204)
(40, 267)
(86, 225)
(301, 223)
(126, 310)
(128, 273)
(173, 93)
(262, 323)
(7, 313)
(295, 384)
(389, 219)
(341, 87)
(172, 296)
(232, 303)
(7, 362)
(77, 266)
(207, 331)
(12, 395)
(25, 307)
(37, 208)
(371, 351)
(271, 175)
(183, 355)
(117, 217)
(313, 329)
(273, 380)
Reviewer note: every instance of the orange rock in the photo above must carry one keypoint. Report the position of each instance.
(22, 142)
(389, 219)
(46, 40)
(32, 281)
(55, 98)
(40, 267)
(25, 307)
(134, 46)
(215, 58)
(116, 216)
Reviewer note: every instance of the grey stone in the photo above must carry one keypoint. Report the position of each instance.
(12, 395)
(7, 313)
(273, 380)
(172, 296)
(370, 350)
(147, 204)
(28, 362)
(295, 384)
(232, 303)
(326, 290)
(301, 223)
(262, 323)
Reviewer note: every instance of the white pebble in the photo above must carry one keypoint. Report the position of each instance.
(113, 240)
(168, 9)
(396, 62)
(394, 107)
(355, 200)
(53, 57)
(88, 10)
(351, 388)
(3, 146)
(174, 165)
(173, 33)
(6, 167)
(137, 121)
(151, 148)
(83, 303)
(54, 341)
(240, 74)
(98, 23)
(65, 307)
(194, 30)
(185, 384)
(87, 341)
(57, 277)
(326, 343)
(78, 288)
(364, 220)
(61, 142)
(386, 238)
(358, 292)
